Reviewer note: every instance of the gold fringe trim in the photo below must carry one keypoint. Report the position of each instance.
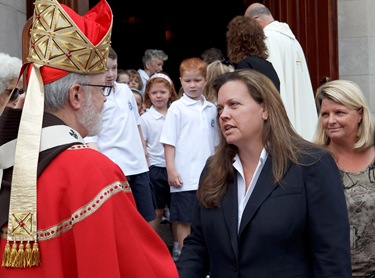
(13, 254)
(20, 260)
(20, 256)
(28, 253)
(35, 257)
(6, 255)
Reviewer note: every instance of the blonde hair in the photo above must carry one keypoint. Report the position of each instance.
(349, 94)
(215, 69)
(133, 74)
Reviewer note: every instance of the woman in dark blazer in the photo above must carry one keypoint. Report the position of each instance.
(247, 49)
(269, 203)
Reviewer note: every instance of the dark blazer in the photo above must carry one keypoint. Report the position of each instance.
(297, 229)
(261, 65)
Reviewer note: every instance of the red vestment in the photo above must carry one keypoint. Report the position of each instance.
(88, 224)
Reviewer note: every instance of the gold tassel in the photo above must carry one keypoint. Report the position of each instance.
(28, 254)
(21, 257)
(13, 254)
(20, 260)
(6, 255)
(35, 258)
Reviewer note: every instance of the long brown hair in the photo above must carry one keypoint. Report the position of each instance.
(280, 140)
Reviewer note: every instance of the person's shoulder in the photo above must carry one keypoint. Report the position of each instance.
(275, 25)
(250, 62)
(83, 151)
(148, 115)
(312, 153)
(262, 64)
(143, 74)
(122, 87)
(257, 59)
(278, 30)
(176, 103)
(316, 150)
(244, 64)
(87, 157)
(124, 90)
(100, 167)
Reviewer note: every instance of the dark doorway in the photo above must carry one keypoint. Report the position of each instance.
(186, 29)
(181, 28)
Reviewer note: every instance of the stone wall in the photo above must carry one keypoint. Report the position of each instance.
(12, 20)
(356, 29)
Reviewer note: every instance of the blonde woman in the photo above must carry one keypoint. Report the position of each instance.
(346, 129)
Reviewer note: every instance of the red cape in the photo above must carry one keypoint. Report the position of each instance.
(88, 224)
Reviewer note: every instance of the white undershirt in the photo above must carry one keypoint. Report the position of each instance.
(243, 195)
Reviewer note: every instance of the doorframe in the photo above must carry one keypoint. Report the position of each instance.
(315, 25)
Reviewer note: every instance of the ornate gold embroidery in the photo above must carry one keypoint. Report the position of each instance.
(22, 223)
(80, 214)
(56, 40)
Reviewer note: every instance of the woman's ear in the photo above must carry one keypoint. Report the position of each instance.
(265, 112)
(147, 65)
(360, 115)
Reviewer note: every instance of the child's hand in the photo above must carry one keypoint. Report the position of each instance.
(174, 179)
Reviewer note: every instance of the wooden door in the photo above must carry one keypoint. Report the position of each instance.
(314, 23)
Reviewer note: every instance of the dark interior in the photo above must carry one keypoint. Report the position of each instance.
(181, 28)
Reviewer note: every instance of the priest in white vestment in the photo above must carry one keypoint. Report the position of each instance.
(288, 59)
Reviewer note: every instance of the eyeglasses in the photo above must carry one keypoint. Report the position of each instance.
(105, 89)
(226, 62)
(15, 94)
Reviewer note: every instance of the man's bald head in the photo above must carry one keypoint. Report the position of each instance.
(260, 13)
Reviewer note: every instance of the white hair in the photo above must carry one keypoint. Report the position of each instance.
(9, 70)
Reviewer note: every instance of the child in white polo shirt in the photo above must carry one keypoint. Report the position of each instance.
(189, 135)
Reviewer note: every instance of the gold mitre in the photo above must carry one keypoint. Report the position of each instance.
(64, 40)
